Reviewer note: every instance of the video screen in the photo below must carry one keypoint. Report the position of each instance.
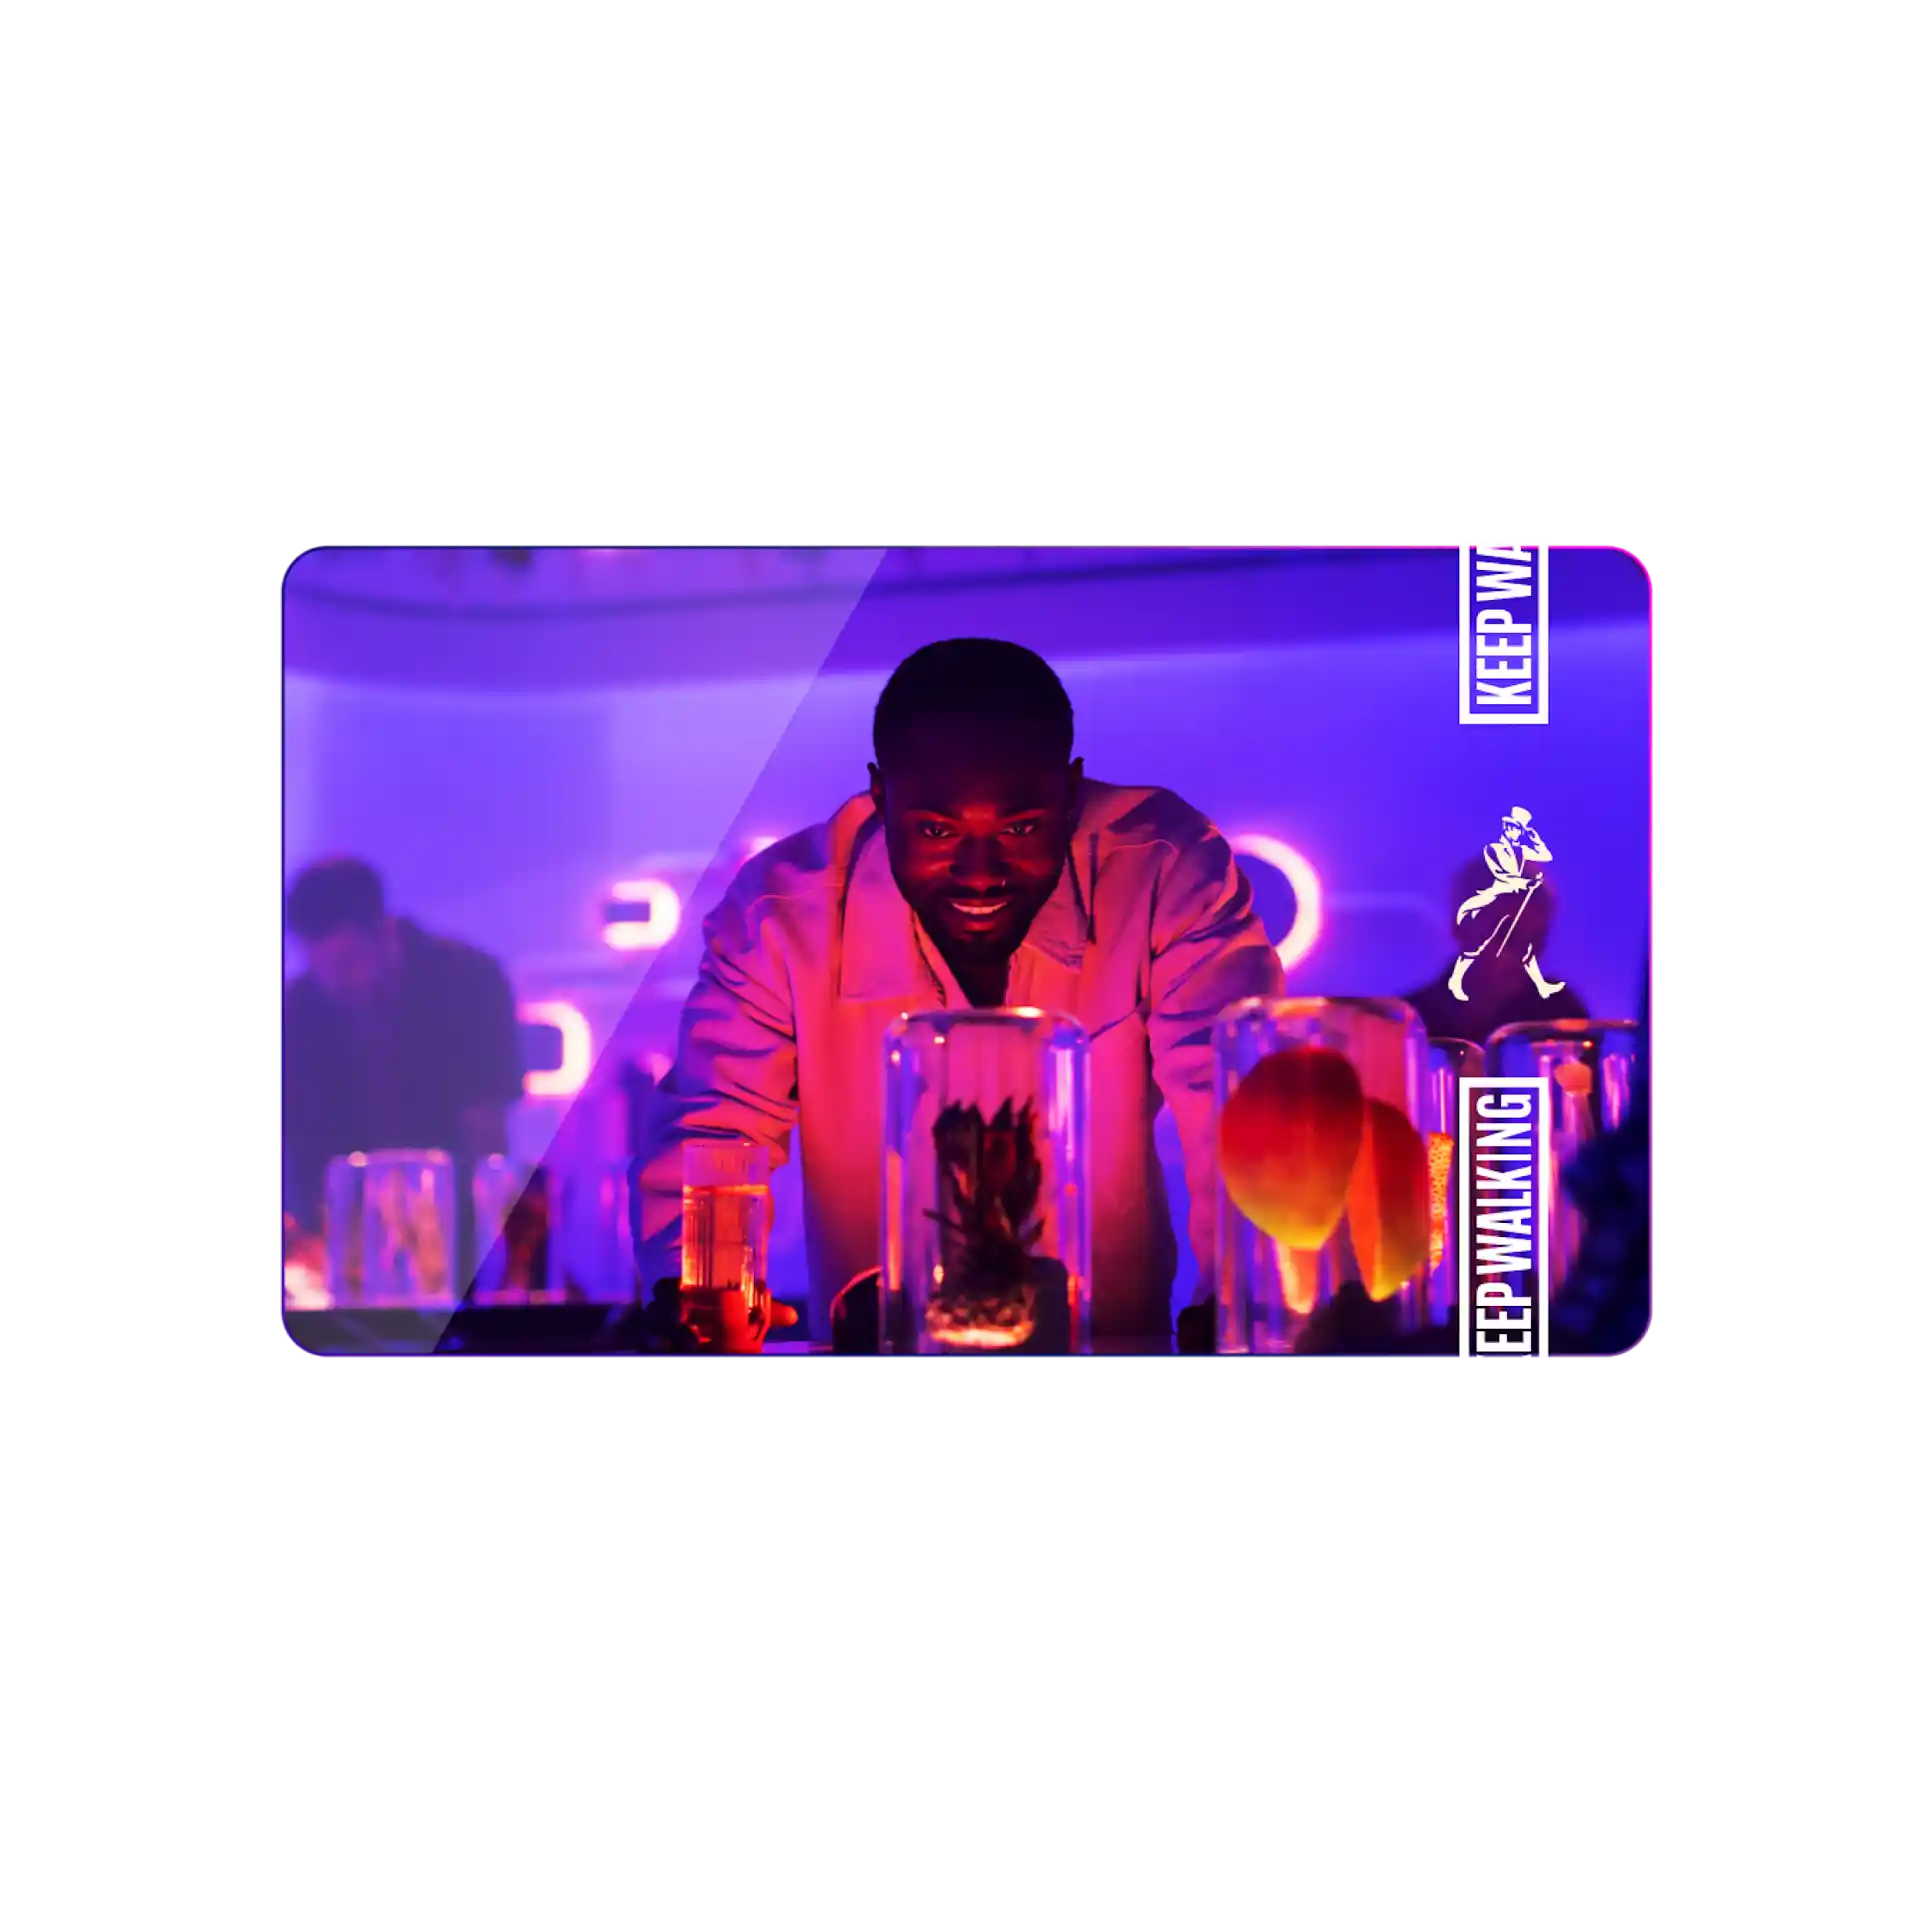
(704, 952)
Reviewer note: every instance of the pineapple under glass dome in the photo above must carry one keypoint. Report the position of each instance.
(987, 1228)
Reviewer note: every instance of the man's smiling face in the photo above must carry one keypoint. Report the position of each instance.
(978, 818)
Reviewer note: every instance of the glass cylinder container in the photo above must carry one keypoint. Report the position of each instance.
(1322, 1207)
(726, 1207)
(515, 1238)
(408, 1222)
(596, 1231)
(345, 1193)
(1588, 1068)
(497, 1182)
(987, 1179)
(1434, 1295)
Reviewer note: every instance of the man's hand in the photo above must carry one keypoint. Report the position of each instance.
(1197, 1328)
(772, 1314)
(665, 1327)
(734, 1330)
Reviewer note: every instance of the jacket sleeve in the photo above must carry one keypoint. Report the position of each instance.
(733, 1073)
(1209, 949)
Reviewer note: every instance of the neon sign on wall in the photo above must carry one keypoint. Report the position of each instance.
(641, 915)
(576, 1049)
(1308, 914)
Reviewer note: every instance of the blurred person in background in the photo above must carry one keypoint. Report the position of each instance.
(1503, 982)
(392, 1037)
(977, 868)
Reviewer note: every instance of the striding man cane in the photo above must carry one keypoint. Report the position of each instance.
(1508, 859)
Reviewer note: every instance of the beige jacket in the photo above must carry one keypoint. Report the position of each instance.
(1149, 934)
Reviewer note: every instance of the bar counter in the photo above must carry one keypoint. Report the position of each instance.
(575, 1328)
(596, 1333)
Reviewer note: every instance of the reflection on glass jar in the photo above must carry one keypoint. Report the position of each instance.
(514, 1235)
(1324, 1210)
(345, 1192)
(1588, 1068)
(596, 1231)
(987, 1230)
(1434, 1295)
(408, 1222)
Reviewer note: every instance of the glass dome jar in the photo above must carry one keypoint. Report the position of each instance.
(1323, 1203)
(1588, 1068)
(516, 1240)
(987, 1236)
(596, 1231)
(408, 1223)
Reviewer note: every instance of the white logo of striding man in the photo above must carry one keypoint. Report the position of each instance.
(1496, 912)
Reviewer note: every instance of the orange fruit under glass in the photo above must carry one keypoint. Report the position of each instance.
(1388, 1209)
(1289, 1136)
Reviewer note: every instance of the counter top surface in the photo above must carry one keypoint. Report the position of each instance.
(572, 1328)
(606, 1329)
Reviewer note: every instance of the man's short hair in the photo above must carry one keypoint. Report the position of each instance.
(331, 894)
(990, 679)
